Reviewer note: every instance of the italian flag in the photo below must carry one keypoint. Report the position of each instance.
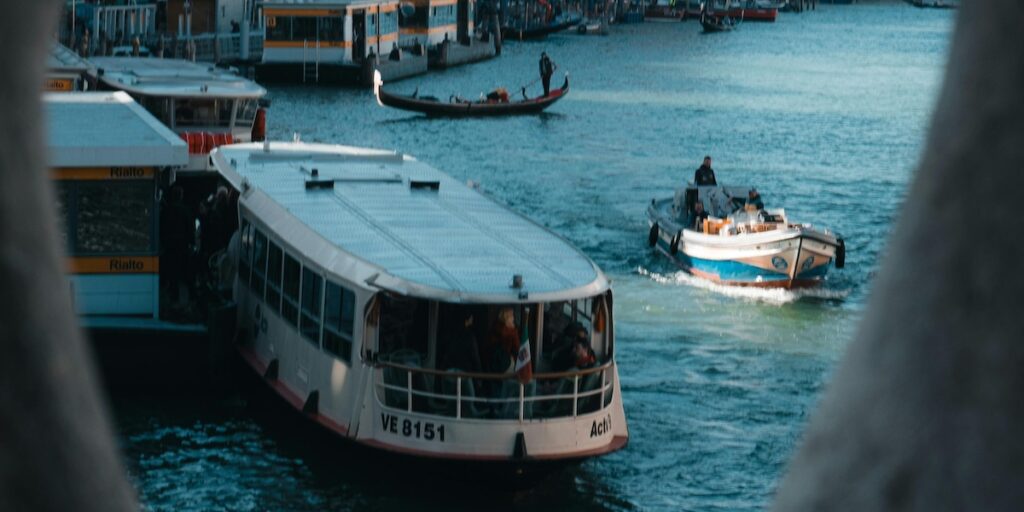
(524, 370)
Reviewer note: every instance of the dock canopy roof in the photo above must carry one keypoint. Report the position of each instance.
(64, 61)
(173, 78)
(100, 129)
(421, 232)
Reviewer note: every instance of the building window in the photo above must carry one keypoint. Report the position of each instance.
(290, 303)
(312, 294)
(339, 321)
(274, 263)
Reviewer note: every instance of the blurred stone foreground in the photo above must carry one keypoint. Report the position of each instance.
(56, 448)
(922, 414)
(925, 410)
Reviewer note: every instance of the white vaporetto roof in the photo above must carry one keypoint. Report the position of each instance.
(100, 129)
(173, 78)
(450, 243)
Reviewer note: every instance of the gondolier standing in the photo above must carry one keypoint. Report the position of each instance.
(547, 68)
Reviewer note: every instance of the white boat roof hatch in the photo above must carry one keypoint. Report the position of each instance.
(173, 78)
(451, 243)
(98, 129)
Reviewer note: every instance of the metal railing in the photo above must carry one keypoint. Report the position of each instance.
(311, 70)
(493, 396)
(208, 47)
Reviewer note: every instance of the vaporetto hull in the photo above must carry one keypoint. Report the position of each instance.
(346, 299)
(788, 256)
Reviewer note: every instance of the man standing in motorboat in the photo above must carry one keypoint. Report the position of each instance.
(705, 175)
(547, 68)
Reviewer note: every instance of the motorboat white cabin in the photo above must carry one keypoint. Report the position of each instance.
(364, 275)
(206, 105)
(107, 155)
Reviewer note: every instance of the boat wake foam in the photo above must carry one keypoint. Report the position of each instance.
(767, 295)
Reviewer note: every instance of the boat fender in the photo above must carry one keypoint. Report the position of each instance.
(312, 405)
(271, 372)
(675, 242)
(652, 237)
(841, 254)
(519, 452)
(259, 126)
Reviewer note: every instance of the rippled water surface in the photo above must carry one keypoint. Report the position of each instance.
(825, 112)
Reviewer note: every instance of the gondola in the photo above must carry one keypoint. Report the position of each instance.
(537, 32)
(457, 107)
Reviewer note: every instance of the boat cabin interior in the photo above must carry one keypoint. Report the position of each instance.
(461, 359)
(215, 115)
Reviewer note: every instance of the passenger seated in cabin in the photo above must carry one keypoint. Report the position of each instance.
(462, 352)
(555, 323)
(698, 216)
(576, 351)
(498, 353)
(499, 95)
(705, 175)
(573, 349)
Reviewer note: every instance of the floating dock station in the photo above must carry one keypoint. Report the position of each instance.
(107, 156)
(346, 40)
(65, 70)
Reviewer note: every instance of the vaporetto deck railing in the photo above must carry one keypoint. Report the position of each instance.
(492, 396)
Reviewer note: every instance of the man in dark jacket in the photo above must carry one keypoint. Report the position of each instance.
(547, 68)
(705, 175)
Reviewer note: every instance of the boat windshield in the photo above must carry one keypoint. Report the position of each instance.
(203, 113)
(495, 361)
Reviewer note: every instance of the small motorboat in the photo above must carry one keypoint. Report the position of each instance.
(713, 23)
(739, 244)
(496, 103)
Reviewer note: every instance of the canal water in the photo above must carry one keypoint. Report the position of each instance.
(825, 112)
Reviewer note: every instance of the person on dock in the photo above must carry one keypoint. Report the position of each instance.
(705, 175)
(177, 230)
(547, 68)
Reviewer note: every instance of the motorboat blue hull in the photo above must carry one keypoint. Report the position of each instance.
(790, 257)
